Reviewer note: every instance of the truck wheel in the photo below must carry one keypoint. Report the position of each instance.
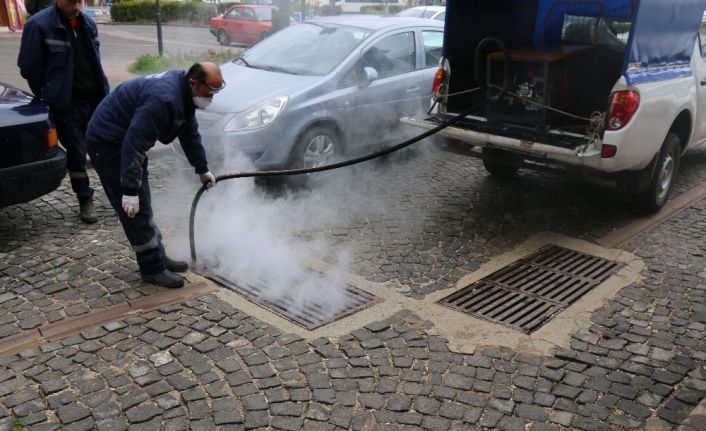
(500, 163)
(223, 38)
(663, 179)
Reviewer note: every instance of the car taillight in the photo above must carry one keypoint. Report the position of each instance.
(439, 79)
(52, 138)
(608, 151)
(623, 105)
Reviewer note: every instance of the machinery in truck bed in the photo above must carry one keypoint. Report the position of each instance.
(613, 89)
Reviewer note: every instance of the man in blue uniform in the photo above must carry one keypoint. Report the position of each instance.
(60, 60)
(125, 125)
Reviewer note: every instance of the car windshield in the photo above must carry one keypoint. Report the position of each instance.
(305, 49)
(264, 13)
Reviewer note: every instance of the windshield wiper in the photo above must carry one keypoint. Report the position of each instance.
(274, 69)
(243, 60)
(283, 70)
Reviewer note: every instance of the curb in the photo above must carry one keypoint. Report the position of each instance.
(46, 333)
(10, 34)
(696, 421)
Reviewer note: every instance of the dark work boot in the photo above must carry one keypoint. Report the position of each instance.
(87, 212)
(175, 265)
(165, 278)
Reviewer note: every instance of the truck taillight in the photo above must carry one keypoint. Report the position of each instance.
(623, 105)
(52, 138)
(439, 79)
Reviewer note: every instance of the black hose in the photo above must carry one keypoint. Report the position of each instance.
(350, 162)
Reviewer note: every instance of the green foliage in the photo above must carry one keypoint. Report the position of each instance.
(146, 10)
(379, 9)
(146, 64)
(222, 7)
(620, 27)
(325, 10)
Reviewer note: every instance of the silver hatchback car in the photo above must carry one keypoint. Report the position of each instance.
(323, 88)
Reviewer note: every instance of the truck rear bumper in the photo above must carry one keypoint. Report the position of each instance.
(586, 156)
(585, 161)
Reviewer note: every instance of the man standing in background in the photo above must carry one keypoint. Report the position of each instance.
(60, 59)
(34, 6)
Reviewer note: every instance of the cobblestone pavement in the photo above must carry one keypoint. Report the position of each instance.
(205, 365)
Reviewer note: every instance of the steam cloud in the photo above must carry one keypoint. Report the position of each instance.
(251, 238)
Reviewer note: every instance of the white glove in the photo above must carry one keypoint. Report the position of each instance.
(131, 205)
(207, 179)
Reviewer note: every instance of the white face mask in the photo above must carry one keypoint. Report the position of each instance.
(201, 102)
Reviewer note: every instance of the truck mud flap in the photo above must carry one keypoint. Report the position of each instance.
(636, 182)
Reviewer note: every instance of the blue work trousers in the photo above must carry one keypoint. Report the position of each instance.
(141, 231)
(71, 128)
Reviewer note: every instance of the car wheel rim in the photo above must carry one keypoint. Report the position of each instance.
(319, 151)
(665, 176)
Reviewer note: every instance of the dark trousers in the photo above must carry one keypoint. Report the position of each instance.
(71, 127)
(141, 231)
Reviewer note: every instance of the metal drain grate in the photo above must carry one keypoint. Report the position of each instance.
(527, 293)
(311, 314)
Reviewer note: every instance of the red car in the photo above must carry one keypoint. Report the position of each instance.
(243, 24)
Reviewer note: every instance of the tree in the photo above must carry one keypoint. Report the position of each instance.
(280, 18)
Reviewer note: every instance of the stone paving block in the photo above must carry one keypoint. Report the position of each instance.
(256, 419)
(82, 425)
(422, 362)
(490, 418)
(72, 413)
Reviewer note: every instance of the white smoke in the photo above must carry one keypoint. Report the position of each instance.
(250, 237)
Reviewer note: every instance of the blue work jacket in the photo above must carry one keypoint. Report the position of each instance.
(142, 111)
(46, 57)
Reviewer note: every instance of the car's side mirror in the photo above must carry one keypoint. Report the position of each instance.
(369, 75)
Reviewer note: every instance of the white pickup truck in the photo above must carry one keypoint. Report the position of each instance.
(613, 90)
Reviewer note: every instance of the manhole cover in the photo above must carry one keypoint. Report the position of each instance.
(309, 314)
(527, 293)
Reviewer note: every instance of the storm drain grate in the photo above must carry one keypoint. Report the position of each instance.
(527, 293)
(310, 314)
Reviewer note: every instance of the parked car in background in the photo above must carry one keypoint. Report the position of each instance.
(431, 12)
(32, 164)
(324, 87)
(357, 6)
(243, 24)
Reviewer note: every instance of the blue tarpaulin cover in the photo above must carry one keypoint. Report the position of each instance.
(662, 39)
(550, 15)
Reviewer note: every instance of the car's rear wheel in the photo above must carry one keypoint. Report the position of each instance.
(318, 146)
(264, 35)
(663, 179)
(223, 38)
(500, 163)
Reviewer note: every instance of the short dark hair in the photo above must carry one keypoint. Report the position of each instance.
(197, 73)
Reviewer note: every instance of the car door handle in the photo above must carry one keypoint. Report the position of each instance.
(703, 82)
(412, 90)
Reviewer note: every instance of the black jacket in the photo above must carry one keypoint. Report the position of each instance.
(46, 57)
(142, 111)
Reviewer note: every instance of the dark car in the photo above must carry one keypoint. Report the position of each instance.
(32, 164)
